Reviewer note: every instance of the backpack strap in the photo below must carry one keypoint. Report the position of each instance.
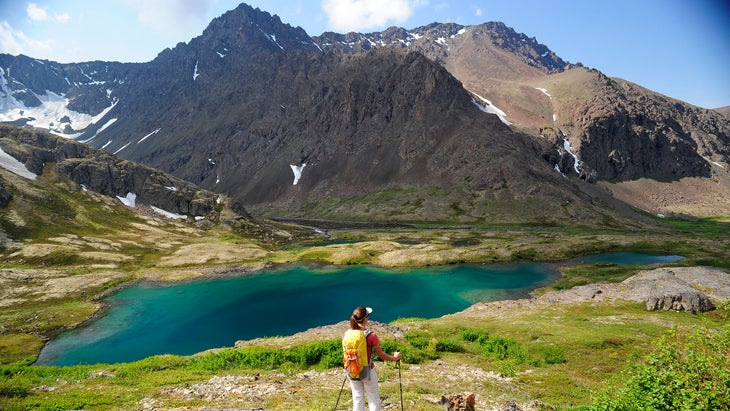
(367, 333)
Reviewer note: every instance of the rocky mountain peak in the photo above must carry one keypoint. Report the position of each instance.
(435, 39)
(246, 27)
(528, 49)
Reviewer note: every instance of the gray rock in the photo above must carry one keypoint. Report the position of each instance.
(662, 289)
(5, 196)
(692, 289)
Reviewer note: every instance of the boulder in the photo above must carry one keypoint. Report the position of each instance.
(458, 402)
(692, 301)
(510, 405)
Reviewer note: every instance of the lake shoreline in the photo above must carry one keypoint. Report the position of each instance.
(160, 312)
(551, 271)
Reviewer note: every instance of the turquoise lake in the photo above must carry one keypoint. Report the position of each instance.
(626, 258)
(186, 318)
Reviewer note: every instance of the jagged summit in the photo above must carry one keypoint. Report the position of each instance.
(245, 28)
(435, 40)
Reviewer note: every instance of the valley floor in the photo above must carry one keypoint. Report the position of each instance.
(568, 343)
(597, 327)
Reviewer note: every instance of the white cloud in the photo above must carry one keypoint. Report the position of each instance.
(10, 40)
(63, 18)
(171, 16)
(478, 12)
(355, 15)
(36, 13)
(16, 42)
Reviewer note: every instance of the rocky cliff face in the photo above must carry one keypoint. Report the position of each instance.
(724, 111)
(631, 133)
(618, 131)
(101, 172)
(625, 132)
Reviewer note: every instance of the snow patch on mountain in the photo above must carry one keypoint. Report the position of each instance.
(545, 92)
(120, 149)
(487, 107)
(168, 214)
(106, 125)
(129, 200)
(297, 170)
(148, 135)
(9, 163)
(52, 114)
(271, 37)
(569, 149)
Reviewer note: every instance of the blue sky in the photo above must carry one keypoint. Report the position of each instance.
(680, 48)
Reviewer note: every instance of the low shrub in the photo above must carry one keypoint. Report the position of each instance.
(471, 335)
(554, 355)
(327, 354)
(682, 373)
(502, 348)
(410, 354)
(13, 390)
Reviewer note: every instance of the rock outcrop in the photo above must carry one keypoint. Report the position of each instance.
(464, 401)
(665, 289)
(101, 172)
(691, 289)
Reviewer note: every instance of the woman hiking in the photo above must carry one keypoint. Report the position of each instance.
(367, 385)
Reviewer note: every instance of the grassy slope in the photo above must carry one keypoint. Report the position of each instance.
(49, 283)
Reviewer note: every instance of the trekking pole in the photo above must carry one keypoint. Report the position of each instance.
(400, 384)
(340, 394)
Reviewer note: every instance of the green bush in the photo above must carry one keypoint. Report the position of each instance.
(554, 355)
(496, 347)
(13, 389)
(471, 335)
(502, 348)
(410, 354)
(425, 346)
(326, 353)
(680, 374)
(449, 346)
(418, 340)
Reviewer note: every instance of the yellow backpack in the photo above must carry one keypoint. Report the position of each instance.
(355, 359)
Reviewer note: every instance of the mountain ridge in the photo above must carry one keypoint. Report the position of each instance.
(243, 93)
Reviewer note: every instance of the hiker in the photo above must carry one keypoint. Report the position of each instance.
(368, 384)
